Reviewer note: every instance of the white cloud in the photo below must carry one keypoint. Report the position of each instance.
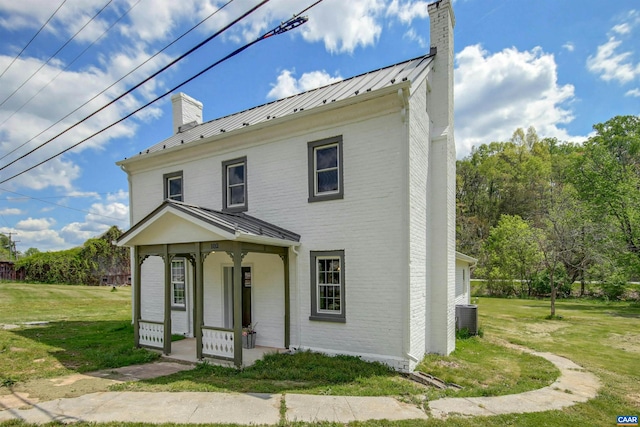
(613, 59)
(569, 46)
(11, 211)
(114, 213)
(44, 240)
(287, 84)
(413, 35)
(70, 90)
(408, 11)
(633, 92)
(41, 233)
(35, 224)
(497, 93)
(622, 28)
(611, 65)
(118, 196)
(80, 232)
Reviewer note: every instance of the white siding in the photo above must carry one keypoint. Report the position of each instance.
(419, 292)
(152, 290)
(368, 224)
(463, 292)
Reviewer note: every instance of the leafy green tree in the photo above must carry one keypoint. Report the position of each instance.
(511, 252)
(31, 251)
(98, 257)
(607, 178)
(5, 248)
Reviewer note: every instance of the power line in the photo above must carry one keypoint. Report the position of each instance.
(190, 51)
(66, 196)
(294, 22)
(59, 205)
(55, 53)
(32, 38)
(112, 84)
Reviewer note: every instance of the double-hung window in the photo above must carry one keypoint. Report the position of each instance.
(327, 286)
(178, 284)
(234, 185)
(173, 189)
(325, 169)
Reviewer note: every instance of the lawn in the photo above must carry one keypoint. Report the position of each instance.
(89, 328)
(83, 329)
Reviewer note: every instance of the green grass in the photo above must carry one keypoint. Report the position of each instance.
(604, 337)
(302, 372)
(88, 329)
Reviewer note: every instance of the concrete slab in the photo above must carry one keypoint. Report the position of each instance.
(345, 409)
(143, 372)
(243, 409)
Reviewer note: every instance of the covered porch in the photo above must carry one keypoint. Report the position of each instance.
(185, 351)
(213, 293)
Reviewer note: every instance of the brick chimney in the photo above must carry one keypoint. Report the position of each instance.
(441, 23)
(441, 187)
(186, 111)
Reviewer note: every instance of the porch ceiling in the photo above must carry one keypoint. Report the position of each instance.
(177, 222)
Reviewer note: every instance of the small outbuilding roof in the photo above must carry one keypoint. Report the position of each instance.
(407, 71)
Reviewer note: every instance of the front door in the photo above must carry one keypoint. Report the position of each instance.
(246, 281)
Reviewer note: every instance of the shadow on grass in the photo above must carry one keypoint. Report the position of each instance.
(88, 346)
(277, 373)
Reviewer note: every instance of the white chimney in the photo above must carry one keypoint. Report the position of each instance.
(441, 185)
(186, 110)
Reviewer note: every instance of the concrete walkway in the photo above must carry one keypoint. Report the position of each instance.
(574, 385)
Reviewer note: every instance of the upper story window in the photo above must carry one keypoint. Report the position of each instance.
(325, 169)
(234, 185)
(173, 188)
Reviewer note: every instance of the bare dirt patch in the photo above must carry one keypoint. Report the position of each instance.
(626, 342)
(545, 329)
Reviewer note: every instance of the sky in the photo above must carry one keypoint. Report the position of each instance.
(560, 66)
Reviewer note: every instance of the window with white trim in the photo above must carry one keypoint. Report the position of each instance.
(173, 186)
(327, 286)
(178, 284)
(234, 181)
(325, 169)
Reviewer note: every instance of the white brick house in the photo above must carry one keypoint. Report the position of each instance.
(327, 218)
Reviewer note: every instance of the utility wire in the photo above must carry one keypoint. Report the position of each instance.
(32, 38)
(55, 53)
(170, 64)
(292, 23)
(26, 197)
(108, 87)
(59, 205)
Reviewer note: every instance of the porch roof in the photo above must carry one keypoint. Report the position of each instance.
(177, 222)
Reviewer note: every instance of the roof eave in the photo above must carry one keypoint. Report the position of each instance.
(362, 97)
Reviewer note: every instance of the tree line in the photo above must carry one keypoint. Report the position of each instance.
(550, 213)
(98, 258)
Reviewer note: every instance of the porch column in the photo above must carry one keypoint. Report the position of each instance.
(237, 304)
(137, 294)
(287, 304)
(199, 300)
(167, 300)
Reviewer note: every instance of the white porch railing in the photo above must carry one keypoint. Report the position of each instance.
(217, 342)
(151, 333)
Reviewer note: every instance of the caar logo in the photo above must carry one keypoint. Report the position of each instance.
(627, 420)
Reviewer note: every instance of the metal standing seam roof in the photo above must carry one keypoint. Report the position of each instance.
(371, 81)
(229, 222)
